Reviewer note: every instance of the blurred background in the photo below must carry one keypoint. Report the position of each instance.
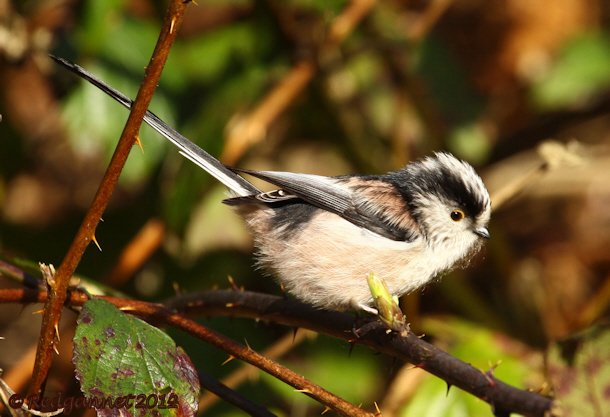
(519, 89)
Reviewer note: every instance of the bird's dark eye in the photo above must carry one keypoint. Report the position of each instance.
(457, 215)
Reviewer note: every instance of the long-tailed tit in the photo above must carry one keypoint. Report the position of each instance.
(321, 236)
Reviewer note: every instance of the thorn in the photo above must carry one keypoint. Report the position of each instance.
(490, 378)
(171, 25)
(351, 348)
(448, 388)
(303, 390)
(377, 409)
(139, 143)
(489, 375)
(94, 240)
(55, 349)
(41, 311)
(232, 283)
(247, 345)
(326, 410)
(229, 305)
(229, 359)
(57, 332)
(192, 1)
(294, 333)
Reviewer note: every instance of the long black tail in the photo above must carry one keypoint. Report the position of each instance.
(188, 149)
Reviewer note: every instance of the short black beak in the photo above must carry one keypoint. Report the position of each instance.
(482, 232)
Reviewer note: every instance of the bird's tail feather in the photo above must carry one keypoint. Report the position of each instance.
(188, 149)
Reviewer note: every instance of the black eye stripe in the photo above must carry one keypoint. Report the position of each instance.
(455, 187)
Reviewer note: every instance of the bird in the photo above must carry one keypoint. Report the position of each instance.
(321, 236)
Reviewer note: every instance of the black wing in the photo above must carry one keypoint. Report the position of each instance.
(332, 194)
(323, 192)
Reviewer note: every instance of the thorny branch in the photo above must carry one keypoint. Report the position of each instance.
(501, 396)
(86, 233)
(159, 313)
(410, 348)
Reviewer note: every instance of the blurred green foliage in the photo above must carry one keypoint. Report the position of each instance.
(580, 72)
(380, 98)
(579, 368)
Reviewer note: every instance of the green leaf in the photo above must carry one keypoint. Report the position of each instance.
(487, 350)
(433, 399)
(117, 355)
(582, 69)
(579, 369)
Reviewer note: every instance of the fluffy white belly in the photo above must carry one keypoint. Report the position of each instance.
(326, 263)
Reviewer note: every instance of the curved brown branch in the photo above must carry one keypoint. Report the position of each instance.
(86, 233)
(159, 313)
(308, 388)
(498, 394)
